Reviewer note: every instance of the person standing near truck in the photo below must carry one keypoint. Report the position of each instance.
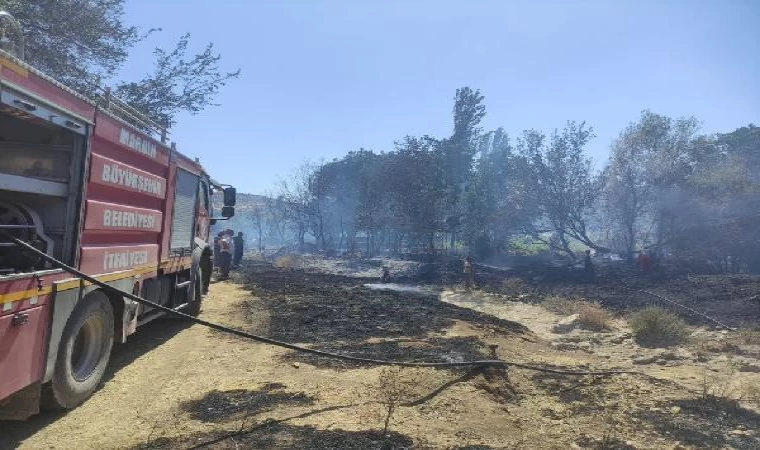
(225, 254)
(239, 244)
(217, 249)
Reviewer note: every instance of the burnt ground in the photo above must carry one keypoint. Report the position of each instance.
(188, 387)
(733, 299)
(337, 313)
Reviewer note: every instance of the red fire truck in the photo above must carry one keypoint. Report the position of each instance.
(90, 182)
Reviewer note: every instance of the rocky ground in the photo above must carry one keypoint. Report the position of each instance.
(180, 386)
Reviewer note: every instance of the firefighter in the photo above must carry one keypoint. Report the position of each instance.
(386, 277)
(469, 272)
(588, 267)
(238, 241)
(217, 248)
(645, 262)
(225, 254)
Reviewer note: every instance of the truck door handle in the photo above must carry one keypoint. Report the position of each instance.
(28, 106)
(39, 282)
(20, 319)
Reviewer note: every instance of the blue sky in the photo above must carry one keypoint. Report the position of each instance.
(321, 78)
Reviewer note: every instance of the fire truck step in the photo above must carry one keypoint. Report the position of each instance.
(181, 285)
(156, 314)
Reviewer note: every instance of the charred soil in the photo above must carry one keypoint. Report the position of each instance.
(175, 386)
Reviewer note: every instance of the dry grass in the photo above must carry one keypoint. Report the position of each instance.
(590, 315)
(723, 388)
(396, 386)
(514, 286)
(593, 317)
(560, 305)
(287, 262)
(656, 327)
(747, 336)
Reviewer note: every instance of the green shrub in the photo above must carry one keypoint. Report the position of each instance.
(657, 327)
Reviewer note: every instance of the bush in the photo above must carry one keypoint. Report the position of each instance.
(657, 327)
(590, 315)
(593, 317)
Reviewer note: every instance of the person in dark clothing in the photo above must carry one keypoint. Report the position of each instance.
(238, 241)
(386, 277)
(645, 262)
(588, 267)
(217, 249)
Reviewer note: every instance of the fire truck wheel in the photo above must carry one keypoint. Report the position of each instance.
(195, 304)
(83, 353)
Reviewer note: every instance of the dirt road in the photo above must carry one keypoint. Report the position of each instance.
(180, 386)
(165, 364)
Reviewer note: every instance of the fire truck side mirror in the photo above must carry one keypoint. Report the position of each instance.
(230, 193)
(228, 211)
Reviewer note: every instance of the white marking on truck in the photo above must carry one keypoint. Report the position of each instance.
(137, 143)
(127, 219)
(114, 174)
(124, 260)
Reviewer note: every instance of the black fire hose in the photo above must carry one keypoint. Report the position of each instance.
(691, 310)
(265, 340)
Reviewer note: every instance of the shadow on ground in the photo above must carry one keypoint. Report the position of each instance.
(218, 406)
(150, 336)
(280, 435)
(704, 423)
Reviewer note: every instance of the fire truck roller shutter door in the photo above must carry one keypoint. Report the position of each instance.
(183, 219)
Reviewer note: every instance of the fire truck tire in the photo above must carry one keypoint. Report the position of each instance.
(83, 353)
(195, 304)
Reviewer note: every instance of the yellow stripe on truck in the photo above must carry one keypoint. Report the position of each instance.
(10, 65)
(73, 284)
(23, 295)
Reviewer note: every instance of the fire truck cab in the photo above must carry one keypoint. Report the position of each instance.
(92, 183)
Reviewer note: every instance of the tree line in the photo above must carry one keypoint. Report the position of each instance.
(666, 188)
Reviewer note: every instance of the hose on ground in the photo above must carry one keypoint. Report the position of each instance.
(298, 348)
(691, 310)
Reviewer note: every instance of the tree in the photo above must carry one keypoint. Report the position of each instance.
(715, 216)
(459, 151)
(486, 202)
(83, 43)
(649, 163)
(564, 186)
(178, 83)
(276, 208)
(257, 218)
(295, 194)
(416, 189)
